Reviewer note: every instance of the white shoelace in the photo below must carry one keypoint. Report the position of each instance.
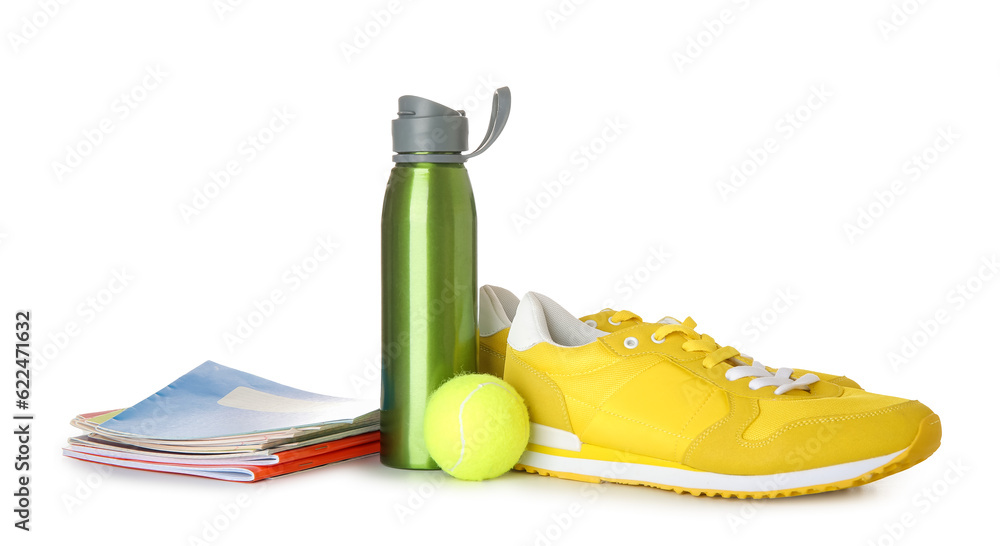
(782, 379)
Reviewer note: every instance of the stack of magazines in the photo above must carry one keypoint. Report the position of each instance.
(217, 422)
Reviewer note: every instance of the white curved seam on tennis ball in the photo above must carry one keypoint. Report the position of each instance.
(461, 428)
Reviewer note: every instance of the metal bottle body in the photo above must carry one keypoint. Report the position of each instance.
(429, 292)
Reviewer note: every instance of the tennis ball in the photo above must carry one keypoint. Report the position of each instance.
(476, 427)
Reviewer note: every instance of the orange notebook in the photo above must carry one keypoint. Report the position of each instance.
(289, 461)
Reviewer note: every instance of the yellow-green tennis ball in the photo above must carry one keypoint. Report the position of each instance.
(476, 427)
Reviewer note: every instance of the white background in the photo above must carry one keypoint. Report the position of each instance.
(685, 114)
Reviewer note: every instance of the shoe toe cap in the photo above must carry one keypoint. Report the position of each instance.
(784, 443)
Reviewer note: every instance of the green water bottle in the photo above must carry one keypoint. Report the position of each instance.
(429, 288)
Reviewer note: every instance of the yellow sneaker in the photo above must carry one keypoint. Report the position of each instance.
(664, 406)
(496, 311)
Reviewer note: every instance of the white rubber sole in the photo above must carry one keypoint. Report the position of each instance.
(690, 479)
(679, 478)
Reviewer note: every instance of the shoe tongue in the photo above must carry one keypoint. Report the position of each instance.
(668, 320)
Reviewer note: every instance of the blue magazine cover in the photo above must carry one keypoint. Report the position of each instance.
(213, 401)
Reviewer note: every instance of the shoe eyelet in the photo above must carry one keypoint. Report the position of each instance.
(631, 343)
(613, 323)
(592, 323)
(657, 341)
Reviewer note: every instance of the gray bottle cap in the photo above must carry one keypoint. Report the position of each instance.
(440, 132)
(426, 126)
